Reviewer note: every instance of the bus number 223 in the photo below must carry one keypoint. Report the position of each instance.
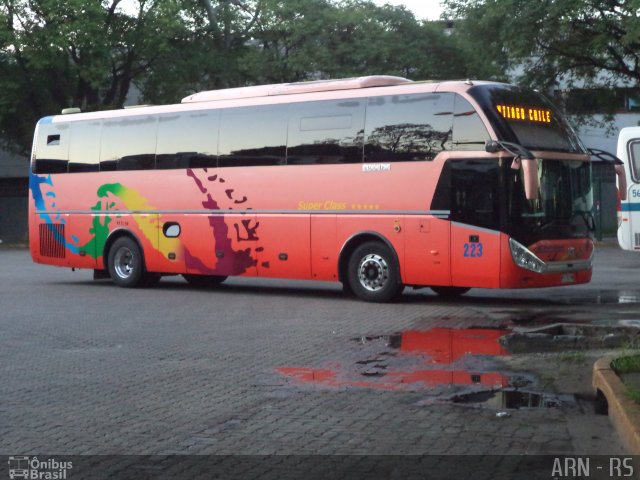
(473, 250)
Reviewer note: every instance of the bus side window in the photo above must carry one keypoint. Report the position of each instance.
(326, 132)
(187, 140)
(402, 128)
(634, 160)
(253, 136)
(475, 192)
(52, 148)
(84, 151)
(129, 143)
(469, 132)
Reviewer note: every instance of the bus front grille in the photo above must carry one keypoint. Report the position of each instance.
(52, 240)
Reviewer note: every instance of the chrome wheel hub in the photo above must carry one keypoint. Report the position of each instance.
(123, 263)
(373, 272)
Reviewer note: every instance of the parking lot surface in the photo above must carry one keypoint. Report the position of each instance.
(260, 367)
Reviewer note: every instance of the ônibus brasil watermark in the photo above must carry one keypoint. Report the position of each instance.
(35, 469)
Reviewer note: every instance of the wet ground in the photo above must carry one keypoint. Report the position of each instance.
(413, 360)
(478, 366)
(262, 367)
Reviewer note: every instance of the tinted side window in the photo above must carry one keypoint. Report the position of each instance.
(475, 192)
(326, 132)
(408, 127)
(52, 148)
(84, 151)
(128, 143)
(253, 136)
(469, 133)
(187, 140)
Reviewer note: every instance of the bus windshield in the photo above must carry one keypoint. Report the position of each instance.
(490, 194)
(525, 117)
(562, 209)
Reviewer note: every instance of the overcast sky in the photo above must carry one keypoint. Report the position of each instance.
(422, 9)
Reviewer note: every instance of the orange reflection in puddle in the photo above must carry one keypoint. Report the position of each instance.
(425, 351)
(446, 345)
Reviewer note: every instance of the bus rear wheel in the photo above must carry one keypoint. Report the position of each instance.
(373, 274)
(126, 265)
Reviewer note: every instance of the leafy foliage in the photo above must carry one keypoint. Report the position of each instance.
(626, 364)
(570, 42)
(75, 53)
(90, 54)
(94, 54)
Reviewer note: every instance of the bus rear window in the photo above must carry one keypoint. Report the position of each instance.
(525, 117)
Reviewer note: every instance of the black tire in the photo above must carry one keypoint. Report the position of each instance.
(204, 280)
(373, 273)
(346, 289)
(125, 263)
(450, 292)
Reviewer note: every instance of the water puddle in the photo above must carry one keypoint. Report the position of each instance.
(562, 337)
(414, 360)
(514, 399)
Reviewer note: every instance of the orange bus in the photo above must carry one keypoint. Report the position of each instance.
(377, 182)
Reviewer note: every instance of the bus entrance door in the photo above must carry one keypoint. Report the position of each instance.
(475, 223)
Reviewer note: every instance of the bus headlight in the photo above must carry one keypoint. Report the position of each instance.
(524, 258)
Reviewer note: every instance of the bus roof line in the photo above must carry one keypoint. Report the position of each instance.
(293, 88)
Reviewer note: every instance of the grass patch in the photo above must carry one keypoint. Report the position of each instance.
(626, 364)
(577, 356)
(633, 393)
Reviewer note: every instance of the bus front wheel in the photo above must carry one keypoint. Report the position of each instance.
(373, 274)
(125, 263)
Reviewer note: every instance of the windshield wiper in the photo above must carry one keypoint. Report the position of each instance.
(492, 146)
(605, 156)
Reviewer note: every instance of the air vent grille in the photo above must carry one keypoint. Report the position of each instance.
(52, 240)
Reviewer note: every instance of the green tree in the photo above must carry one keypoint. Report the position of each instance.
(89, 54)
(289, 41)
(304, 39)
(593, 42)
(209, 53)
(76, 53)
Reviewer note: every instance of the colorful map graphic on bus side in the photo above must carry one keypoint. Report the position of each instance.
(116, 199)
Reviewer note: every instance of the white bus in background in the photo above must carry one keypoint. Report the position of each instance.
(629, 189)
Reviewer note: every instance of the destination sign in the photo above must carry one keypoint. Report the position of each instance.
(526, 114)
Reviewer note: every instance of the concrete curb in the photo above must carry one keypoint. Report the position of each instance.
(623, 412)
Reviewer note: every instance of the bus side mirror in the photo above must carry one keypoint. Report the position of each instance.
(530, 174)
(622, 182)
